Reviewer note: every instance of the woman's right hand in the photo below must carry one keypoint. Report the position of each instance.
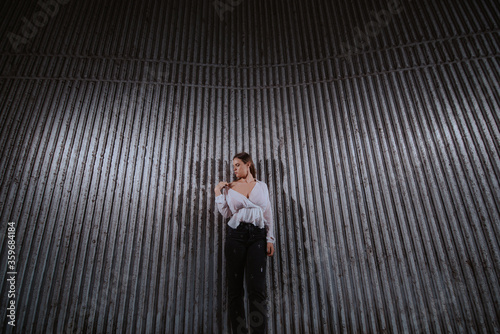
(219, 187)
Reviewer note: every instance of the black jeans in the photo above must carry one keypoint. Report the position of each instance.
(246, 250)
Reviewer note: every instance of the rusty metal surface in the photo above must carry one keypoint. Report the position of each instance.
(374, 124)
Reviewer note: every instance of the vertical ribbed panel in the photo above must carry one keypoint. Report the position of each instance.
(381, 152)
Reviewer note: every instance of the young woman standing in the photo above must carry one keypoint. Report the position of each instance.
(249, 240)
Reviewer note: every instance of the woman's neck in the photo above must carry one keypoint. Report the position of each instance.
(249, 178)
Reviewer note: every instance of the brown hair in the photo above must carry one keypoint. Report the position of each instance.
(245, 157)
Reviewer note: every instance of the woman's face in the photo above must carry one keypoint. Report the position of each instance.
(240, 168)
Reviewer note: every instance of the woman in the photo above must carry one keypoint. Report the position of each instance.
(249, 239)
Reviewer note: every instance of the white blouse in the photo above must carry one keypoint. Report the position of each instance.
(255, 209)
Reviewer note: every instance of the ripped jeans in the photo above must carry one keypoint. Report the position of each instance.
(246, 251)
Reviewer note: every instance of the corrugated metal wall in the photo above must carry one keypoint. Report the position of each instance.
(374, 123)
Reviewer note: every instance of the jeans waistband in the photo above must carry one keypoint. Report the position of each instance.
(247, 226)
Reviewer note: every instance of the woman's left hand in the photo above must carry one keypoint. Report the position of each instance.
(270, 249)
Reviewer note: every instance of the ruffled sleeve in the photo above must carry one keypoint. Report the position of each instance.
(269, 220)
(222, 205)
